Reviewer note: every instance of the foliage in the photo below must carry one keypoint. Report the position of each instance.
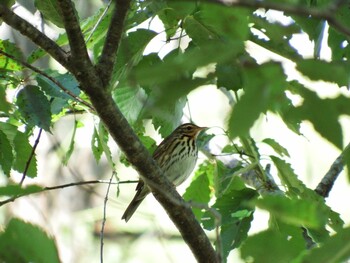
(152, 87)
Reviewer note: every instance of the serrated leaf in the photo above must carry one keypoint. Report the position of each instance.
(12, 49)
(24, 242)
(279, 149)
(130, 101)
(170, 21)
(51, 89)
(287, 176)
(297, 212)
(6, 155)
(34, 107)
(23, 151)
(50, 10)
(14, 190)
(229, 76)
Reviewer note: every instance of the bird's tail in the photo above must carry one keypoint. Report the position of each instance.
(130, 210)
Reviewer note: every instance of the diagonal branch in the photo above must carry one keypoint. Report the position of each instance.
(325, 13)
(80, 57)
(40, 39)
(105, 65)
(327, 182)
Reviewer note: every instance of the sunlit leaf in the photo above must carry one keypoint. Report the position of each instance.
(279, 149)
(13, 50)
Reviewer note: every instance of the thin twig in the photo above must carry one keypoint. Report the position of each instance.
(99, 21)
(53, 80)
(104, 217)
(62, 186)
(37, 140)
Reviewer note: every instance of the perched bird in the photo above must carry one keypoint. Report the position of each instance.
(176, 156)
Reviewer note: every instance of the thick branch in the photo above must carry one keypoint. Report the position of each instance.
(40, 39)
(114, 34)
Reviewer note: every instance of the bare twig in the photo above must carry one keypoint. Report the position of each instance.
(36, 143)
(62, 186)
(53, 80)
(104, 218)
(106, 62)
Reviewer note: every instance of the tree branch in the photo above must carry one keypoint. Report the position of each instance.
(114, 34)
(79, 55)
(327, 182)
(40, 39)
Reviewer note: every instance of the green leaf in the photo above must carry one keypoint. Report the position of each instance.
(130, 51)
(170, 21)
(24, 242)
(34, 107)
(12, 49)
(334, 71)
(96, 145)
(14, 190)
(199, 190)
(189, 61)
(335, 249)
(279, 149)
(6, 155)
(261, 93)
(130, 101)
(67, 80)
(148, 142)
(288, 177)
(273, 246)
(167, 117)
(197, 31)
(216, 17)
(236, 216)
(229, 76)
(51, 11)
(23, 151)
(297, 212)
(331, 109)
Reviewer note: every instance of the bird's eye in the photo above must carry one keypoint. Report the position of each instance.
(188, 128)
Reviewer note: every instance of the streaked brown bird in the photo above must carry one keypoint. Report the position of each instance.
(176, 156)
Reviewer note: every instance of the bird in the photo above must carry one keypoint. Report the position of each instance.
(176, 155)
